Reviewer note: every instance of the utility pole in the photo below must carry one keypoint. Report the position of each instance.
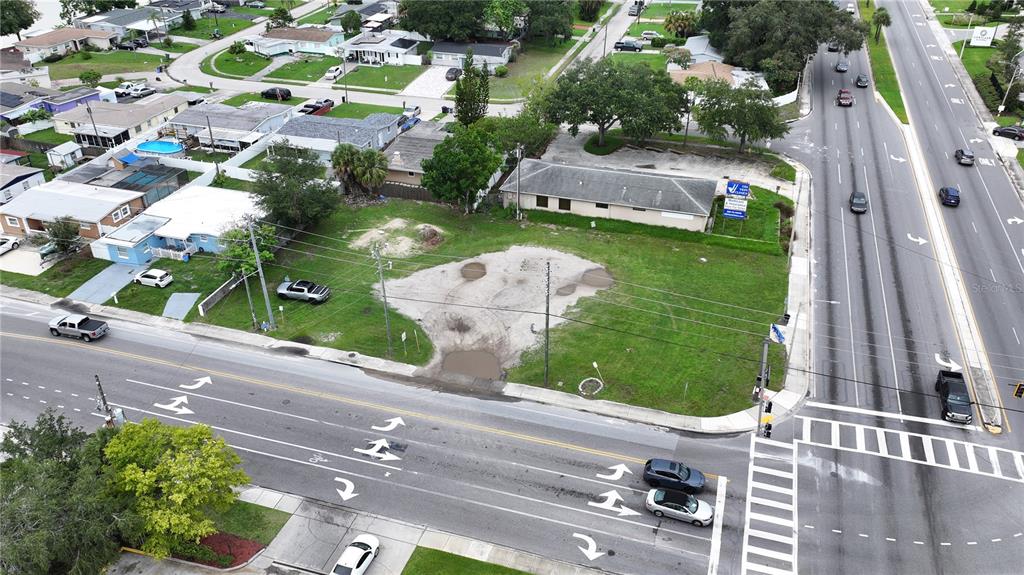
(210, 128)
(547, 322)
(384, 294)
(762, 383)
(95, 130)
(248, 296)
(263, 280)
(108, 418)
(519, 173)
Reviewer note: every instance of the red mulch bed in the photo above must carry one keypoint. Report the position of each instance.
(226, 544)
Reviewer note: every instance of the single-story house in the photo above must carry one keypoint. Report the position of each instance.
(453, 53)
(233, 128)
(701, 49)
(307, 39)
(712, 69)
(187, 222)
(126, 171)
(323, 133)
(76, 97)
(17, 98)
(108, 125)
(63, 41)
(172, 8)
(14, 67)
(15, 179)
(641, 197)
(97, 210)
(16, 157)
(65, 155)
(124, 21)
(406, 154)
(364, 11)
(392, 47)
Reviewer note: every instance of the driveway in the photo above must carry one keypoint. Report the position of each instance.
(100, 287)
(430, 84)
(24, 260)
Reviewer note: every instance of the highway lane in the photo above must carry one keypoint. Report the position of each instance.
(517, 474)
(988, 247)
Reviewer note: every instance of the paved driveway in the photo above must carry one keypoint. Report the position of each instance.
(24, 260)
(100, 287)
(430, 84)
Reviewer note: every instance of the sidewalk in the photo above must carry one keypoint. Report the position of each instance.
(314, 537)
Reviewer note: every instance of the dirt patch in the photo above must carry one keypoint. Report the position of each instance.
(473, 271)
(567, 289)
(477, 363)
(598, 277)
(429, 235)
(399, 238)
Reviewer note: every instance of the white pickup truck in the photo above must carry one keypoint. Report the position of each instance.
(78, 325)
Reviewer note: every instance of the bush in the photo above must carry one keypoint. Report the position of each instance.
(501, 71)
(965, 19)
(987, 90)
(86, 56)
(237, 48)
(168, 42)
(200, 553)
(659, 42)
(90, 48)
(53, 58)
(784, 171)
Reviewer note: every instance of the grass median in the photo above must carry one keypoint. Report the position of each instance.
(882, 68)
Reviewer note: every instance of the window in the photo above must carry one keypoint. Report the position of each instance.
(412, 174)
(146, 249)
(116, 216)
(601, 206)
(138, 129)
(542, 201)
(122, 252)
(73, 125)
(125, 211)
(82, 226)
(564, 204)
(639, 210)
(204, 238)
(13, 221)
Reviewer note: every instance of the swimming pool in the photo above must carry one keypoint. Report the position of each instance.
(160, 147)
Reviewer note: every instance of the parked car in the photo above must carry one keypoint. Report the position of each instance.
(153, 278)
(141, 43)
(858, 202)
(650, 34)
(850, 8)
(862, 80)
(218, 8)
(673, 475)
(353, 1)
(628, 46)
(333, 72)
(1012, 132)
(317, 108)
(949, 196)
(276, 94)
(412, 111)
(80, 326)
(842, 66)
(408, 124)
(679, 505)
(303, 290)
(844, 98)
(124, 88)
(256, 4)
(141, 91)
(964, 157)
(357, 557)
(125, 46)
(453, 74)
(8, 243)
(633, 11)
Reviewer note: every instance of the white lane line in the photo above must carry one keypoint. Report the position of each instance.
(888, 415)
(808, 526)
(954, 461)
(807, 428)
(972, 542)
(997, 540)
(42, 401)
(882, 447)
(76, 409)
(972, 463)
(849, 309)
(918, 542)
(74, 395)
(890, 539)
(837, 531)
(975, 227)
(929, 455)
(716, 533)
(1018, 534)
(864, 535)
(58, 391)
(1018, 462)
(24, 383)
(945, 544)
(211, 398)
(775, 472)
(993, 274)
(1014, 330)
(840, 174)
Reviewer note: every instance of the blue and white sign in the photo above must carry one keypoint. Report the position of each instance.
(734, 188)
(776, 334)
(735, 208)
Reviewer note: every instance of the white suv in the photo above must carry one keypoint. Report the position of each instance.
(649, 35)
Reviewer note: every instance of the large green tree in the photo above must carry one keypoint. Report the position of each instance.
(236, 255)
(460, 168)
(351, 21)
(590, 9)
(18, 15)
(682, 24)
(472, 91)
(1004, 61)
(753, 116)
(288, 186)
(456, 20)
(655, 106)
(281, 17)
(359, 170)
(528, 127)
(550, 18)
(503, 14)
(880, 19)
(63, 233)
(177, 475)
(712, 112)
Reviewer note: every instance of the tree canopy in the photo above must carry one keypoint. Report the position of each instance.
(528, 127)
(71, 9)
(288, 186)
(747, 111)
(456, 20)
(351, 21)
(359, 170)
(461, 166)
(550, 18)
(503, 14)
(472, 91)
(18, 15)
(236, 255)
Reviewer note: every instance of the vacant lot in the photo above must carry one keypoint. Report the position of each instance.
(241, 65)
(309, 69)
(318, 17)
(387, 77)
(537, 59)
(355, 110)
(636, 29)
(655, 61)
(103, 62)
(240, 99)
(662, 9)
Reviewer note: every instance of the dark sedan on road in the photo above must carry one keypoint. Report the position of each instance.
(1012, 132)
(964, 157)
(949, 196)
(673, 475)
(858, 203)
(842, 66)
(844, 98)
(862, 80)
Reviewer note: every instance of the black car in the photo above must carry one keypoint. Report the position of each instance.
(452, 74)
(1014, 132)
(949, 196)
(956, 401)
(858, 203)
(833, 46)
(125, 46)
(964, 157)
(276, 94)
(673, 475)
(842, 66)
(862, 80)
(141, 43)
(629, 45)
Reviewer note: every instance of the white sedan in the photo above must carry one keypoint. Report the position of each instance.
(154, 278)
(356, 558)
(8, 243)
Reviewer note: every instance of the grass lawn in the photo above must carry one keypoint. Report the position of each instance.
(255, 161)
(1008, 120)
(636, 29)
(388, 77)
(636, 370)
(207, 156)
(784, 171)
(232, 184)
(1020, 158)
(318, 17)
(194, 88)
(205, 26)
(38, 160)
(762, 222)
(176, 47)
(974, 58)
(50, 136)
(251, 521)
(662, 9)
(655, 61)
(254, 97)
(309, 69)
(354, 110)
(949, 5)
(425, 561)
(198, 275)
(883, 70)
(62, 278)
(530, 66)
(103, 62)
(240, 65)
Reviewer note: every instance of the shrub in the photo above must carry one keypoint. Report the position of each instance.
(168, 42)
(659, 42)
(86, 56)
(237, 48)
(987, 91)
(90, 78)
(965, 19)
(90, 48)
(501, 71)
(201, 553)
(53, 58)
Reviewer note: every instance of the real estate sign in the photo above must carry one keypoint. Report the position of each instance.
(735, 208)
(983, 36)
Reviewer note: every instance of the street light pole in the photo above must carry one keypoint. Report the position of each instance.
(968, 38)
(519, 172)
(1006, 93)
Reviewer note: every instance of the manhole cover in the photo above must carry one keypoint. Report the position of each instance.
(591, 386)
(473, 271)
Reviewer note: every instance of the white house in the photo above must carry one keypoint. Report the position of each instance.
(63, 41)
(453, 53)
(233, 128)
(121, 22)
(392, 47)
(307, 40)
(15, 179)
(65, 155)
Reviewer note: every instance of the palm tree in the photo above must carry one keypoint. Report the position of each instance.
(879, 20)
(343, 160)
(370, 169)
(681, 24)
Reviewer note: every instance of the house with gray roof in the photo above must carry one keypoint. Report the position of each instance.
(406, 154)
(323, 133)
(233, 128)
(15, 179)
(124, 21)
(452, 54)
(643, 197)
(98, 210)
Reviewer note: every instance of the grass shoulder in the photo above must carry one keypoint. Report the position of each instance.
(198, 275)
(882, 68)
(426, 561)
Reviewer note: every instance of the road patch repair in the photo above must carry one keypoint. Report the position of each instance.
(472, 334)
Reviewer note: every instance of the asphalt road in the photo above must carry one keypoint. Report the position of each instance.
(513, 473)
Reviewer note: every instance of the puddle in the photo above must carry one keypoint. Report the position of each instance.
(476, 363)
(473, 271)
(598, 277)
(568, 289)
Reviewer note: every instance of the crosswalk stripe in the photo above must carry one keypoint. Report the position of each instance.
(770, 536)
(994, 458)
(773, 443)
(771, 519)
(860, 438)
(882, 448)
(807, 429)
(1018, 460)
(768, 570)
(771, 503)
(905, 445)
(769, 487)
(954, 461)
(772, 554)
(972, 463)
(929, 455)
(835, 434)
(775, 472)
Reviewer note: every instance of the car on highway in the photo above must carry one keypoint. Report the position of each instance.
(1012, 132)
(679, 505)
(833, 46)
(673, 475)
(333, 73)
(8, 243)
(276, 94)
(964, 157)
(453, 74)
(628, 46)
(842, 66)
(949, 196)
(303, 290)
(844, 98)
(357, 557)
(858, 203)
(141, 91)
(154, 278)
(956, 401)
(76, 325)
(862, 81)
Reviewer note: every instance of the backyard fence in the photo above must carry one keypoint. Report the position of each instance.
(405, 191)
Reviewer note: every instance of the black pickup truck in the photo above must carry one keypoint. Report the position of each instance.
(956, 401)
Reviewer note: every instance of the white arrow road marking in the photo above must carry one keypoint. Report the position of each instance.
(392, 423)
(897, 158)
(1014, 220)
(611, 498)
(173, 405)
(828, 301)
(617, 471)
(950, 85)
(376, 450)
(930, 46)
(591, 549)
(198, 383)
(975, 140)
(348, 492)
(918, 241)
(948, 364)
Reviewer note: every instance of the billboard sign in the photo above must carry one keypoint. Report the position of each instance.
(983, 36)
(735, 188)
